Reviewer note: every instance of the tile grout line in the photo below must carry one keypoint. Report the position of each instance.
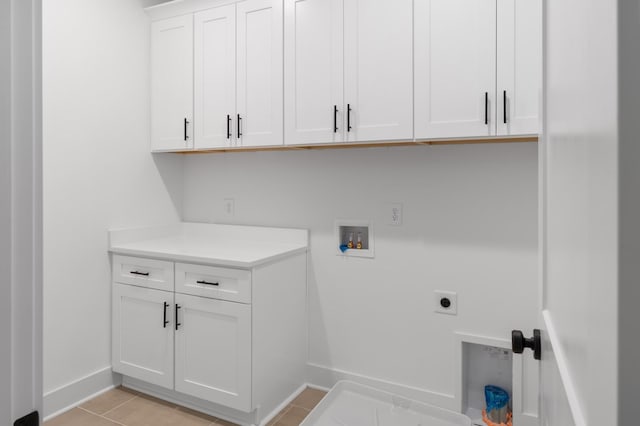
(102, 417)
(281, 414)
(117, 406)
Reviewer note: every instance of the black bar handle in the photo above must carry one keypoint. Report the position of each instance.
(486, 108)
(239, 126)
(206, 282)
(335, 119)
(504, 106)
(164, 320)
(228, 126)
(144, 274)
(348, 117)
(177, 323)
(186, 136)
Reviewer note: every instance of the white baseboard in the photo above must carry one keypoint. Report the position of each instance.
(322, 377)
(284, 405)
(72, 394)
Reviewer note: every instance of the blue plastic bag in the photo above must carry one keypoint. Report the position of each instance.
(496, 398)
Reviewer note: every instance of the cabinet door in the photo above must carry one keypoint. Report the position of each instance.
(172, 83)
(142, 340)
(213, 351)
(215, 76)
(519, 66)
(313, 71)
(455, 68)
(379, 69)
(260, 72)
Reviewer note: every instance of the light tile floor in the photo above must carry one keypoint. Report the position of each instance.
(125, 407)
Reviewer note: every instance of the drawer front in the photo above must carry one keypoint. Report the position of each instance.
(148, 273)
(217, 283)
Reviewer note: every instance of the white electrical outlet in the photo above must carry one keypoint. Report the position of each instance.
(394, 214)
(229, 208)
(446, 302)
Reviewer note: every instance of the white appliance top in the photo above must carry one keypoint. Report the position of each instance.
(223, 245)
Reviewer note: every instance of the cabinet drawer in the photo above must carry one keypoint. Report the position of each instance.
(218, 283)
(149, 273)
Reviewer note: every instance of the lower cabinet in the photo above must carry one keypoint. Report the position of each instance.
(232, 337)
(142, 334)
(213, 350)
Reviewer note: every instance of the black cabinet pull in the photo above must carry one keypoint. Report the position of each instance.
(348, 117)
(228, 126)
(164, 319)
(335, 119)
(239, 126)
(186, 136)
(206, 282)
(504, 106)
(177, 323)
(486, 108)
(144, 274)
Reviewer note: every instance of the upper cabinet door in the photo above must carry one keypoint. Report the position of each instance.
(215, 77)
(314, 71)
(519, 66)
(260, 73)
(455, 68)
(378, 69)
(172, 83)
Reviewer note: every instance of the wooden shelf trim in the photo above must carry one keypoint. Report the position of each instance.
(343, 145)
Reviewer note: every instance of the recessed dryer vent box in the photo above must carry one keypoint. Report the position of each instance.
(355, 231)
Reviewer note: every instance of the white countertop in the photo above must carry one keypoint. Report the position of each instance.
(223, 245)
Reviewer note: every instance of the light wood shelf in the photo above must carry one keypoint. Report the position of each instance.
(343, 145)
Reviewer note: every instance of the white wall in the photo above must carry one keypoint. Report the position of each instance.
(98, 174)
(470, 225)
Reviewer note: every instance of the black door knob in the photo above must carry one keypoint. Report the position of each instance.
(519, 343)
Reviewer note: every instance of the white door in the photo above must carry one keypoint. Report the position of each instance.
(215, 77)
(519, 78)
(20, 211)
(378, 70)
(455, 68)
(260, 73)
(172, 84)
(142, 330)
(583, 182)
(213, 351)
(313, 71)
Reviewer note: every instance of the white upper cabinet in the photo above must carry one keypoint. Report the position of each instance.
(299, 72)
(314, 110)
(519, 66)
(172, 83)
(260, 73)
(215, 77)
(455, 68)
(378, 69)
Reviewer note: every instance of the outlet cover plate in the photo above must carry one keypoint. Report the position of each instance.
(228, 208)
(394, 214)
(452, 309)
